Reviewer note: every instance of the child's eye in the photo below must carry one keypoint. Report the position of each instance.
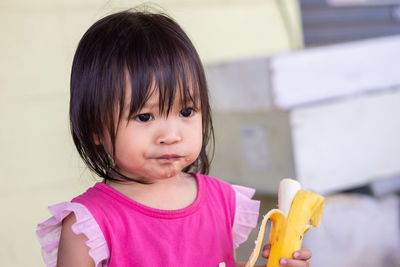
(186, 112)
(144, 117)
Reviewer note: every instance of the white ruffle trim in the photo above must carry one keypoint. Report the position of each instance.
(246, 214)
(49, 233)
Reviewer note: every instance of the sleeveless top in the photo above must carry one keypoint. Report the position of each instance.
(123, 232)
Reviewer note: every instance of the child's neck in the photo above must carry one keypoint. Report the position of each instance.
(165, 194)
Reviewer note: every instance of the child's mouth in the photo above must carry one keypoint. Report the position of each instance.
(168, 157)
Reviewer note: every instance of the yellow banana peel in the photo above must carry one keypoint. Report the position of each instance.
(287, 231)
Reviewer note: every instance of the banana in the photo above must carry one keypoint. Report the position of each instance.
(297, 208)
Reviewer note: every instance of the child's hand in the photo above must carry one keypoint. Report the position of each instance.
(300, 257)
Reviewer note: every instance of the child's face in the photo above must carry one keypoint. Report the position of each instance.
(153, 146)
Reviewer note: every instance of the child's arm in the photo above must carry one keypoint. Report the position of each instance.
(300, 258)
(72, 250)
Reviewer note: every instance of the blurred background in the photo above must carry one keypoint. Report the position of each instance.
(307, 89)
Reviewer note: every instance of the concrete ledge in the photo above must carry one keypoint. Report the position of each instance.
(337, 71)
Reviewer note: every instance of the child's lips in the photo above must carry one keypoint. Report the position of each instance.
(168, 157)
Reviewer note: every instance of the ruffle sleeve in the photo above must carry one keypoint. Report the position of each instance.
(246, 214)
(49, 232)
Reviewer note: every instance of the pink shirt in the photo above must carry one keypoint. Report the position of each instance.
(203, 234)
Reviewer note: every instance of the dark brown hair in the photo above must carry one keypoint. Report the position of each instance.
(152, 51)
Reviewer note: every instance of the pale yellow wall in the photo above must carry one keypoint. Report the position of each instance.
(39, 165)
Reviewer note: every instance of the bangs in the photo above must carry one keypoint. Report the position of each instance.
(168, 82)
(156, 57)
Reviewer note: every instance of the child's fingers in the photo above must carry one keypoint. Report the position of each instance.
(285, 262)
(266, 250)
(300, 259)
(302, 254)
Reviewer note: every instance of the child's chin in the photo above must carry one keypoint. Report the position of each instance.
(170, 173)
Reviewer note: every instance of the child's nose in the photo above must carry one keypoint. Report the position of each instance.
(168, 133)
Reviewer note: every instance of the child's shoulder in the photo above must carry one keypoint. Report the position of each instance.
(100, 199)
(80, 221)
(214, 182)
(95, 192)
(216, 189)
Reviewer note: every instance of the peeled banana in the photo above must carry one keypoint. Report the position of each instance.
(298, 211)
